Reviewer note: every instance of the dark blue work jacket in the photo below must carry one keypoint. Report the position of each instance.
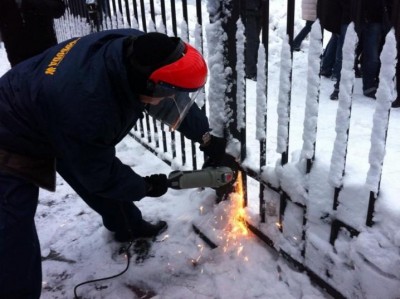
(74, 103)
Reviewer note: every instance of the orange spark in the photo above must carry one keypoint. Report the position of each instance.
(238, 213)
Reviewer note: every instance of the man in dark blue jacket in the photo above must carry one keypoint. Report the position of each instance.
(65, 110)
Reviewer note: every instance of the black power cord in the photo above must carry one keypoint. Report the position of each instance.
(126, 251)
(109, 277)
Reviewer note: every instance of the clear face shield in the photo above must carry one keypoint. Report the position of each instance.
(174, 106)
(177, 85)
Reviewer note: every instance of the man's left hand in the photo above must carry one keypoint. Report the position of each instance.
(156, 184)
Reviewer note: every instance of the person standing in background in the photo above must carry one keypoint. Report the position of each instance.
(372, 22)
(329, 58)
(252, 15)
(27, 28)
(77, 8)
(329, 12)
(309, 14)
(335, 17)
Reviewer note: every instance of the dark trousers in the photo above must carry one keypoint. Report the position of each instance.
(20, 260)
(117, 215)
(337, 68)
(252, 33)
(372, 41)
(329, 55)
(302, 34)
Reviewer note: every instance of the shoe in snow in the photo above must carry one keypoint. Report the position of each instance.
(370, 93)
(144, 230)
(326, 73)
(335, 95)
(138, 251)
(396, 103)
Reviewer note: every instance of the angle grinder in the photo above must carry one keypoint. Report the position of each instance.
(212, 177)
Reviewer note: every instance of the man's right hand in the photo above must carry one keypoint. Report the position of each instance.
(213, 147)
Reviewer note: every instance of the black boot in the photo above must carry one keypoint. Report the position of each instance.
(357, 72)
(335, 95)
(370, 93)
(396, 103)
(145, 230)
(326, 73)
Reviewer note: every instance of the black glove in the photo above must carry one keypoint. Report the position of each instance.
(156, 184)
(213, 147)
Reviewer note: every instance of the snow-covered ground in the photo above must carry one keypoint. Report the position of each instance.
(76, 247)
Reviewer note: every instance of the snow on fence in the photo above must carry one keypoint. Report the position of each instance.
(308, 208)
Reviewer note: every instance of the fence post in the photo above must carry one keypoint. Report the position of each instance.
(231, 93)
(286, 106)
(229, 27)
(263, 141)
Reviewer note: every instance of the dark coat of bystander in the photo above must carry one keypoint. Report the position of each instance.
(27, 27)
